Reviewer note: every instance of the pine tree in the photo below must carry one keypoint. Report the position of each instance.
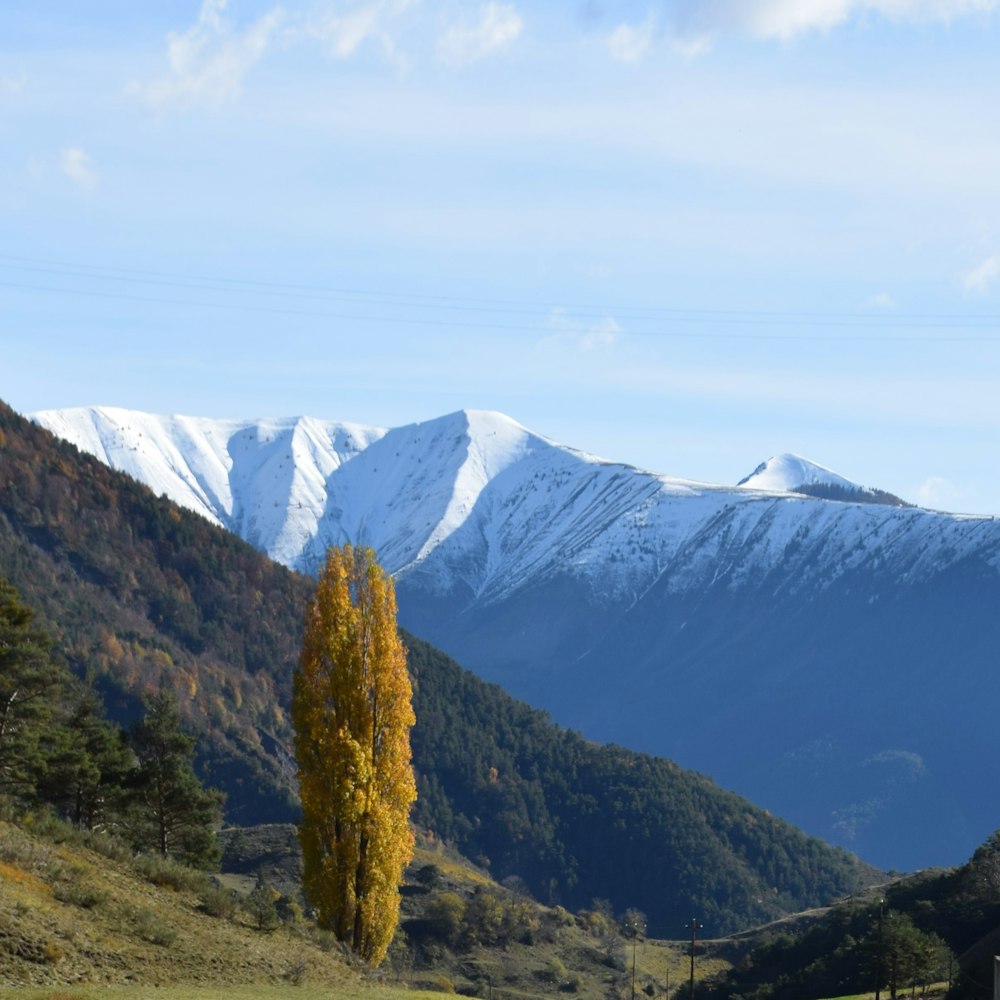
(88, 767)
(352, 712)
(31, 685)
(172, 812)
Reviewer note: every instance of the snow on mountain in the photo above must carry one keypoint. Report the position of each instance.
(803, 651)
(786, 473)
(262, 479)
(476, 501)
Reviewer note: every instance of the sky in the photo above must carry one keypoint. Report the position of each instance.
(686, 234)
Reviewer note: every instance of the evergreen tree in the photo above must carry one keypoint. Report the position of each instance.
(30, 689)
(907, 955)
(352, 712)
(172, 812)
(88, 767)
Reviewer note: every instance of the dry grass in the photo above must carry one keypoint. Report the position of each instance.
(77, 923)
(452, 865)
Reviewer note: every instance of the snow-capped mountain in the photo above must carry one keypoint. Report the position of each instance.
(265, 480)
(787, 473)
(792, 474)
(811, 654)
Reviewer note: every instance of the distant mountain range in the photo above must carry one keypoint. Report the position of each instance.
(140, 595)
(815, 645)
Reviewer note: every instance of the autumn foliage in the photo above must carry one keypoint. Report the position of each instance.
(352, 713)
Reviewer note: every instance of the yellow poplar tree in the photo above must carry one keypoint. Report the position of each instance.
(352, 712)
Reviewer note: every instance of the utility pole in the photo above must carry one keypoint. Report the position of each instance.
(694, 933)
(878, 954)
(634, 923)
(634, 936)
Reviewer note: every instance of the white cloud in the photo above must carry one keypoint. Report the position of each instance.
(77, 166)
(209, 61)
(599, 335)
(346, 33)
(498, 27)
(631, 43)
(691, 46)
(938, 493)
(881, 300)
(785, 19)
(980, 279)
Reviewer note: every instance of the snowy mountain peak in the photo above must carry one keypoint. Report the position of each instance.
(786, 473)
(614, 595)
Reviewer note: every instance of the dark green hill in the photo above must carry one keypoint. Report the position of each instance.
(579, 820)
(936, 926)
(139, 594)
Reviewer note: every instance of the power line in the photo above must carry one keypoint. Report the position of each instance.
(547, 319)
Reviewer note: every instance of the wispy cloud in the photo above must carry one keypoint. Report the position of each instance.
(344, 33)
(938, 493)
(786, 19)
(78, 167)
(630, 43)
(498, 27)
(690, 46)
(601, 334)
(882, 301)
(208, 62)
(982, 278)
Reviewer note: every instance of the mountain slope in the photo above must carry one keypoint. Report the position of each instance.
(806, 652)
(580, 821)
(265, 480)
(792, 474)
(141, 594)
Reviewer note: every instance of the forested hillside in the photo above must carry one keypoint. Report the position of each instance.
(934, 926)
(753, 632)
(139, 594)
(578, 820)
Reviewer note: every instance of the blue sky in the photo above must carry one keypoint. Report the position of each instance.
(687, 235)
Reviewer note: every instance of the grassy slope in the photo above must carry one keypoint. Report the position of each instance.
(69, 915)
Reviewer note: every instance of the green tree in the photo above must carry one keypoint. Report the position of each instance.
(261, 905)
(172, 812)
(906, 954)
(31, 686)
(445, 915)
(89, 762)
(352, 713)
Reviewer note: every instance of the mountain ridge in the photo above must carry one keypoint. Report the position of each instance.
(790, 628)
(140, 595)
